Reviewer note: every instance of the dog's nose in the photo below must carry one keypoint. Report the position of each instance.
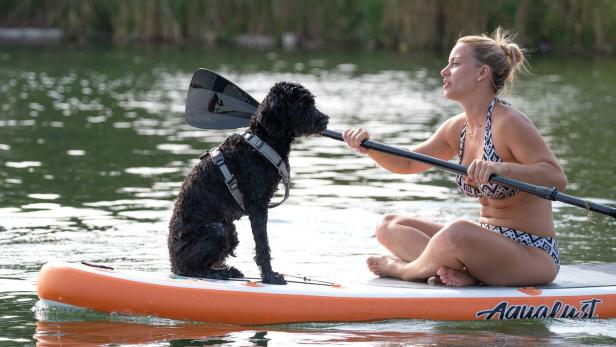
(323, 119)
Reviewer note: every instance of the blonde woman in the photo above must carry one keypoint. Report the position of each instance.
(514, 242)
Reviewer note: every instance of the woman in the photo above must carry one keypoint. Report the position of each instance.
(513, 244)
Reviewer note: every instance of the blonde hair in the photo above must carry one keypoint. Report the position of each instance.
(504, 57)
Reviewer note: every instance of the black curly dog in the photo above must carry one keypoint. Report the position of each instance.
(201, 232)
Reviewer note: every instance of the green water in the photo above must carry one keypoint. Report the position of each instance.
(94, 147)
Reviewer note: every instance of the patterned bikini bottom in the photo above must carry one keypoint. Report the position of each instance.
(547, 244)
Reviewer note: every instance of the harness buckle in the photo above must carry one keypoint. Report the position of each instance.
(232, 183)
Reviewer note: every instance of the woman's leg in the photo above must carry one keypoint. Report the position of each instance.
(404, 236)
(466, 253)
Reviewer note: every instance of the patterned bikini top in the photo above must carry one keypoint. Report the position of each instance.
(491, 190)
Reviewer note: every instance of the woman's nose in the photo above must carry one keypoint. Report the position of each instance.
(444, 71)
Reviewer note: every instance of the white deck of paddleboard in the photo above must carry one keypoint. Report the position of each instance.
(569, 277)
(582, 279)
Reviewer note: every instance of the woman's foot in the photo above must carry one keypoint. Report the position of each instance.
(385, 266)
(455, 278)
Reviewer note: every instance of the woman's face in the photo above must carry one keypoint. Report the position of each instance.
(461, 74)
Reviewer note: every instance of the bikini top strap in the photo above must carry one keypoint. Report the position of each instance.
(489, 153)
(462, 136)
(489, 117)
(488, 131)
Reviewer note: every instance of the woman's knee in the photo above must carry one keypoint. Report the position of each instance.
(454, 236)
(385, 228)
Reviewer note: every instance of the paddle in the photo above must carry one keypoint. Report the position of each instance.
(213, 102)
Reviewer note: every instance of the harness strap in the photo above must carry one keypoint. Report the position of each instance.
(270, 154)
(265, 150)
(229, 179)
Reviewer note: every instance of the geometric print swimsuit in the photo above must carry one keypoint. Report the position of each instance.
(496, 191)
(491, 190)
(548, 244)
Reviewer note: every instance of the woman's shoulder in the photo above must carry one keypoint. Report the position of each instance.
(511, 127)
(507, 117)
(455, 123)
(450, 130)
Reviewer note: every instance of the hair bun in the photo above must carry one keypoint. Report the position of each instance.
(514, 53)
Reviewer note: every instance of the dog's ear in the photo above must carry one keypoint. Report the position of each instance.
(270, 115)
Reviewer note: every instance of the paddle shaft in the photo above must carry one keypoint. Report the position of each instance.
(540, 191)
(213, 102)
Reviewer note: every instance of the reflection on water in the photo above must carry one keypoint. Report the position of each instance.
(94, 331)
(94, 147)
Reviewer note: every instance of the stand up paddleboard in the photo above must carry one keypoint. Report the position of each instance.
(579, 292)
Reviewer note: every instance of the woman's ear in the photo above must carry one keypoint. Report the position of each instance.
(484, 73)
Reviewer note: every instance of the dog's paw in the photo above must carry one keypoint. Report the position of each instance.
(273, 278)
(235, 273)
(217, 275)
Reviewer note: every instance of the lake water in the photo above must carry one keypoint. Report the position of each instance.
(94, 147)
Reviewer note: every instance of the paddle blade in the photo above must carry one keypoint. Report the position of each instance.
(214, 102)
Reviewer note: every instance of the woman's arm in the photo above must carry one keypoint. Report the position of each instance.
(438, 145)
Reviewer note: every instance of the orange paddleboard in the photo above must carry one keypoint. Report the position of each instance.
(580, 291)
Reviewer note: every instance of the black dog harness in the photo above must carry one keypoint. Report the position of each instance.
(265, 150)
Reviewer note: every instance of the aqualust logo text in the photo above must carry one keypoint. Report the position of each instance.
(505, 310)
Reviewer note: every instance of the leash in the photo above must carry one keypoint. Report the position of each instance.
(300, 280)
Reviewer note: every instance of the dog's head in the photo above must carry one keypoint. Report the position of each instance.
(288, 110)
